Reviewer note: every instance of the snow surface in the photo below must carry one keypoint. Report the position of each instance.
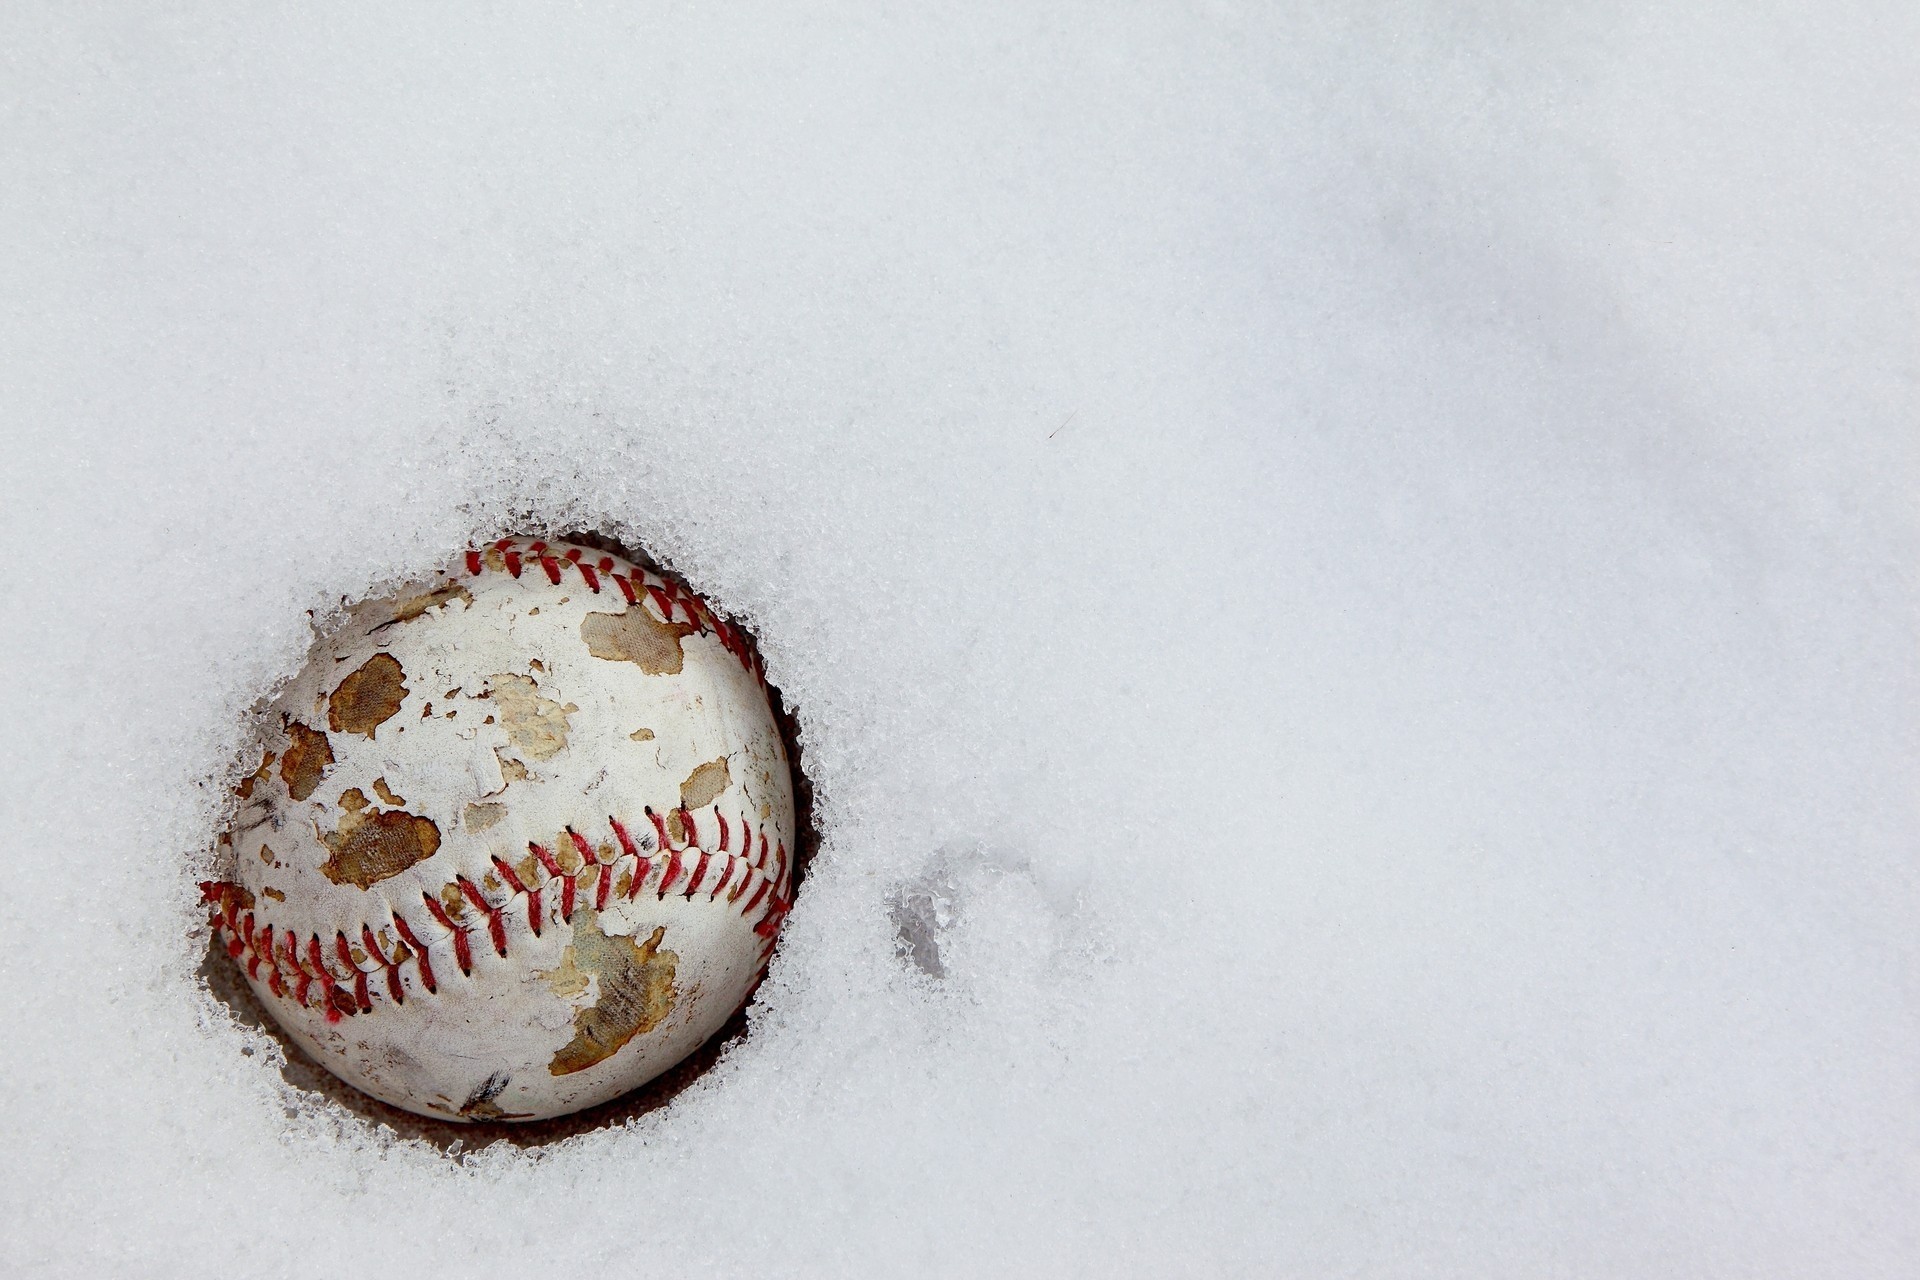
(1348, 574)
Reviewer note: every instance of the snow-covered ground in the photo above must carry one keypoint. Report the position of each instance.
(1348, 573)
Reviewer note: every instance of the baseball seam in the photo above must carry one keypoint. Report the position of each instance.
(510, 555)
(310, 980)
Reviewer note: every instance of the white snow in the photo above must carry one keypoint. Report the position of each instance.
(1348, 572)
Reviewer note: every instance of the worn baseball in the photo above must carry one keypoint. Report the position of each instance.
(520, 838)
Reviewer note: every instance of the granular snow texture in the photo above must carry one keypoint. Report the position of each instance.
(1348, 577)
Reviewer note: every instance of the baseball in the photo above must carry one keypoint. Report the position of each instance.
(519, 840)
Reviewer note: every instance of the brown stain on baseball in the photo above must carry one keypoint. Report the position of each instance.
(309, 754)
(565, 856)
(273, 893)
(636, 992)
(537, 726)
(641, 735)
(566, 980)
(635, 635)
(704, 785)
(480, 816)
(411, 607)
(368, 697)
(371, 847)
(511, 770)
(381, 789)
(245, 789)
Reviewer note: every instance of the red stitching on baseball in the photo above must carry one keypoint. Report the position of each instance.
(332, 999)
(667, 595)
(581, 847)
(348, 990)
(587, 859)
(419, 952)
(274, 972)
(566, 886)
(586, 570)
(496, 926)
(462, 954)
(544, 857)
(374, 951)
(641, 865)
(641, 870)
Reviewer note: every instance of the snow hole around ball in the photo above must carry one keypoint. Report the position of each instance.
(312, 1094)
